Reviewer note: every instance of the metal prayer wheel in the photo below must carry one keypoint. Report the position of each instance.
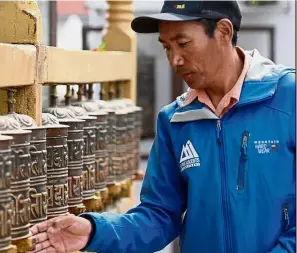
(101, 155)
(89, 136)
(138, 131)
(120, 161)
(38, 176)
(38, 169)
(130, 141)
(75, 164)
(57, 170)
(20, 187)
(5, 194)
(80, 187)
(111, 144)
(65, 116)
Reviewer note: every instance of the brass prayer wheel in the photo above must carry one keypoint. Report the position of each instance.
(75, 164)
(130, 141)
(5, 194)
(64, 115)
(20, 187)
(138, 131)
(120, 165)
(38, 175)
(38, 170)
(57, 170)
(89, 137)
(101, 155)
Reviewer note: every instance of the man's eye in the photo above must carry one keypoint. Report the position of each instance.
(183, 44)
(165, 47)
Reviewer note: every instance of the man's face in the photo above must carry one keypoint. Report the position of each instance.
(191, 53)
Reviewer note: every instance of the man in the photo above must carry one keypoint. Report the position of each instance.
(221, 172)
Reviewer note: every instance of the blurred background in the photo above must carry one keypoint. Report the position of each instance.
(267, 25)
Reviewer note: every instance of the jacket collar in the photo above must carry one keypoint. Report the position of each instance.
(260, 84)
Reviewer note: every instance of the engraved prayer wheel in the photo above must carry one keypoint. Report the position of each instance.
(38, 169)
(5, 194)
(130, 141)
(75, 164)
(75, 140)
(120, 165)
(57, 170)
(101, 155)
(89, 137)
(38, 175)
(138, 131)
(20, 187)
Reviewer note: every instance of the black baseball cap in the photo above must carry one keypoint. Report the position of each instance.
(187, 11)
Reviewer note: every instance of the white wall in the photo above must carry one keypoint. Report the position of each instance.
(284, 24)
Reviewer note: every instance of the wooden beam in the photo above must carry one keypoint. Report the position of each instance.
(20, 22)
(79, 66)
(18, 65)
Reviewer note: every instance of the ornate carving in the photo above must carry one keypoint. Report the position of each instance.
(8, 123)
(57, 170)
(49, 119)
(88, 106)
(24, 120)
(77, 111)
(20, 183)
(38, 175)
(75, 162)
(60, 112)
(89, 136)
(5, 192)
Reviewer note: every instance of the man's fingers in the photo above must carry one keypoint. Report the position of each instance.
(43, 226)
(41, 246)
(40, 237)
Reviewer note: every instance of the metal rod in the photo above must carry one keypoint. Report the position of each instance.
(67, 95)
(11, 102)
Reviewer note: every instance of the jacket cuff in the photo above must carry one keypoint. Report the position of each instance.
(90, 218)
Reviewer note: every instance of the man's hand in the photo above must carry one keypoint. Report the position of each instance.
(61, 234)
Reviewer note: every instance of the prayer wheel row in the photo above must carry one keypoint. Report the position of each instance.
(64, 166)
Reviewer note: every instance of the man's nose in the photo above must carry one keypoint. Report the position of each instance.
(176, 60)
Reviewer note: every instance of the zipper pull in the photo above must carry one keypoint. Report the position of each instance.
(286, 217)
(244, 144)
(218, 131)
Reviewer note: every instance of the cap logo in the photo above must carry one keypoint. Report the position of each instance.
(179, 6)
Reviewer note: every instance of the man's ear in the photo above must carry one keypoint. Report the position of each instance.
(224, 30)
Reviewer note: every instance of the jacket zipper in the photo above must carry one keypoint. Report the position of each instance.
(224, 188)
(286, 216)
(242, 160)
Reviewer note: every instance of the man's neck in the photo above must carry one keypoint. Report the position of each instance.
(227, 77)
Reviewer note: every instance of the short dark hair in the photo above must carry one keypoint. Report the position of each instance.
(210, 27)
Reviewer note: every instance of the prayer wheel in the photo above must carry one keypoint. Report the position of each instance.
(38, 175)
(5, 194)
(38, 169)
(57, 166)
(20, 187)
(57, 170)
(81, 133)
(75, 164)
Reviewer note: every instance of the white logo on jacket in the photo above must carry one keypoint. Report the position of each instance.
(267, 146)
(189, 157)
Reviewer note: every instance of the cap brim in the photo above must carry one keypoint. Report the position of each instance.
(150, 23)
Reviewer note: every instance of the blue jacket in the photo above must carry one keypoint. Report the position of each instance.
(223, 185)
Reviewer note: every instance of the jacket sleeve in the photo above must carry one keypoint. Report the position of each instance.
(287, 242)
(154, 223)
